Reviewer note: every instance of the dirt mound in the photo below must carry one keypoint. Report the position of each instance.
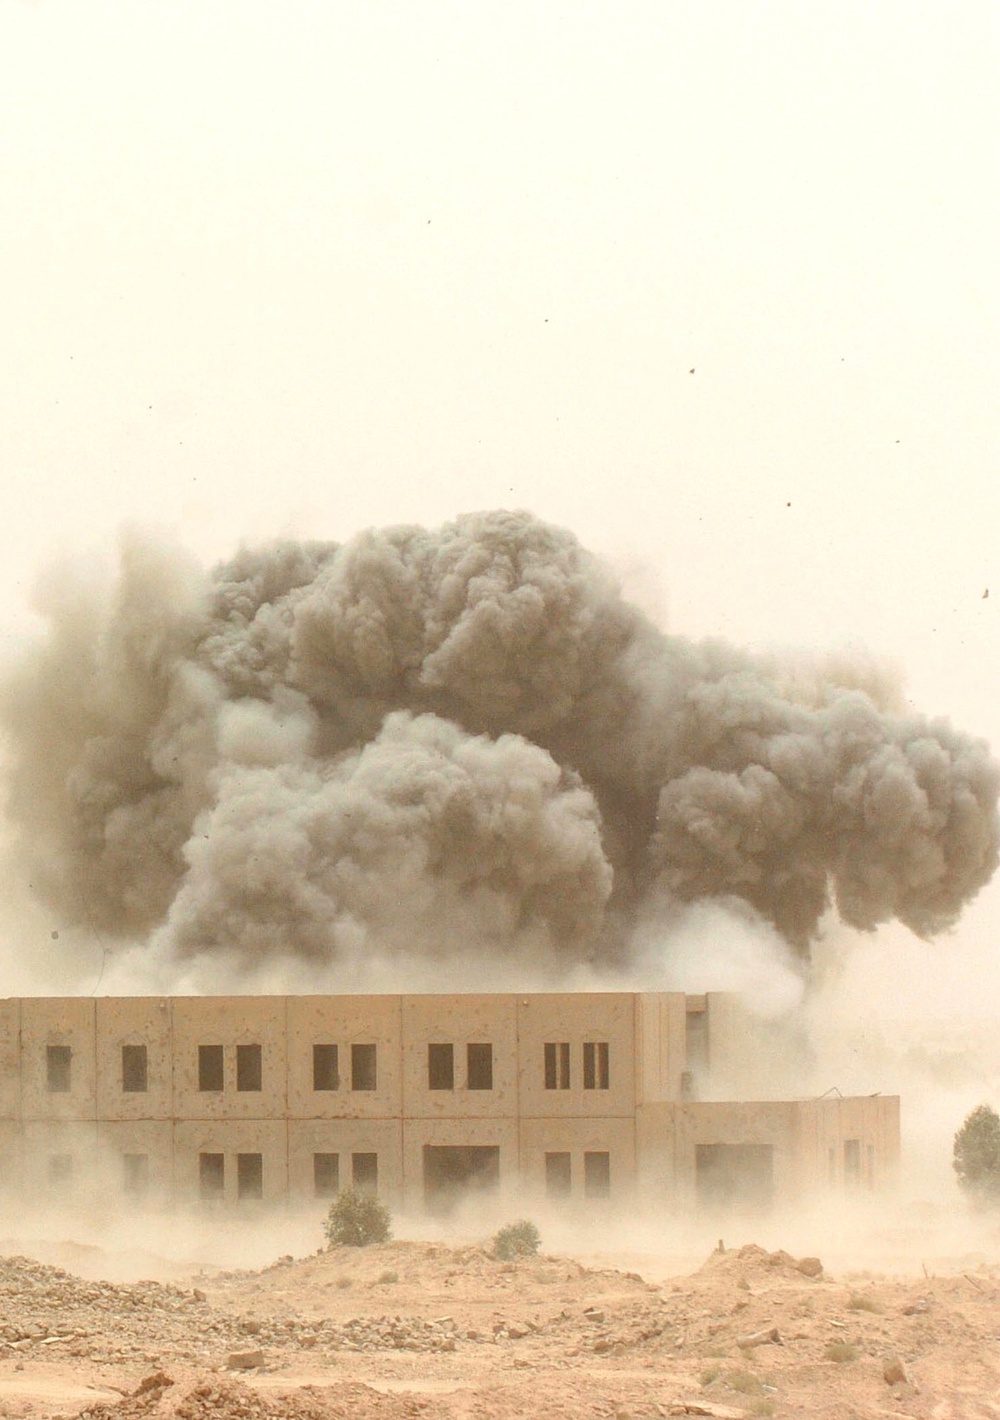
(409, 1329)
(158, 1395)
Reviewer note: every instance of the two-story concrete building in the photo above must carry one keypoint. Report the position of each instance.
(247, 1100)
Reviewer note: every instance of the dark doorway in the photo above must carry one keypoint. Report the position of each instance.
(450, 1170)
(735, 1176)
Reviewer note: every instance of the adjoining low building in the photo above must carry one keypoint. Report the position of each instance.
(575, 1096)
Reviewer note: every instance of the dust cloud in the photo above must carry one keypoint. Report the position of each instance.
(325, 766)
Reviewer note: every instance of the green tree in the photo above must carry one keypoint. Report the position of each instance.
(976, 1158)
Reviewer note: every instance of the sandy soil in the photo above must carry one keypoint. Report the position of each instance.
(409, 1329)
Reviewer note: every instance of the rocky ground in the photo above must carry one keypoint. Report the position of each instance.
(409, 1329)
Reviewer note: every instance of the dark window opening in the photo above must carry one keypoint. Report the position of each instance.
(249, 1071)
(212, 1175)
(557, 1065)
(363, 1067)
(60, 1170)
(326, 1072)
(210, 1076)
(249, 1176)
(326, 1175)
(57, 1069)
(440, 1067)
(479, 1066)
(735, 1176)
(597, 1175)
(595, 1065)
(453, 1170)
(696, 1041)
(135, 1174)
(558, 1176)
(135, 1079)
(852, 1163)
(364, 1172)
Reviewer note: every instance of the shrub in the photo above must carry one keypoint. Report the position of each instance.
(840, 1351)
(743, 1382)
(356, 1219)
(520, 1239)
(976, 1159)
(858, 1302)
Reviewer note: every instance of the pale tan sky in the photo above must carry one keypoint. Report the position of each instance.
(304, 267)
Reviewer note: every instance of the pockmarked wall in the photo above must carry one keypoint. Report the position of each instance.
(589, 1099)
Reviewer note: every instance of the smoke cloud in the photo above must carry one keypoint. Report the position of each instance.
(437, 743)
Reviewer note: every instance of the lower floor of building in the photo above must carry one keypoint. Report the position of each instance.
(687, 1156)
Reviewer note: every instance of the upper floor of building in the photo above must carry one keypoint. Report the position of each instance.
(547, 1055)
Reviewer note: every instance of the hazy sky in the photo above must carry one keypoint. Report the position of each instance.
(715, 284)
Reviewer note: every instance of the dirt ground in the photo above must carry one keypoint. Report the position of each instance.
(421, 1329)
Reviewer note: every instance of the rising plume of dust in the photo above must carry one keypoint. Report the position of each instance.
(319, 763)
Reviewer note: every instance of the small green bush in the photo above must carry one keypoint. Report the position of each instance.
(743, 1382)
(521, 1239)
(841, 1351)
(356, 1219)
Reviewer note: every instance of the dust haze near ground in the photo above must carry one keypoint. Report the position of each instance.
(714, 1316)
(328, 764)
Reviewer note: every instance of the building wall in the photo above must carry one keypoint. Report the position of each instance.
(344, 1021)
(586, 1096)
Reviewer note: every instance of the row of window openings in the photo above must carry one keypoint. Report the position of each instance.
(211, 1068)
(852, 1164)
(326, 1070)
(249, 1174)
(596, 1175)
(326, 1174)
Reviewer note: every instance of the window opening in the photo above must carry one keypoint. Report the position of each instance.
(249, 1070)
(479, 1066)
(440, 1067)
(57, 1068)
(326, 1075)
(597, 1175)
(210, 1067)
(364, 1172)
(249, 1176)
(135, 1079)
(211, 1176)
(363, 1067)
(135, 1174)
(852, 1163)
(326, 1175)
(558, 1176)
(557, 1065)
(595, 1065)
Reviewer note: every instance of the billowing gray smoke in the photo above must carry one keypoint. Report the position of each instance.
(454, 741)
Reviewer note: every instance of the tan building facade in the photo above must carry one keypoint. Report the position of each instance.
(578, 1097)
